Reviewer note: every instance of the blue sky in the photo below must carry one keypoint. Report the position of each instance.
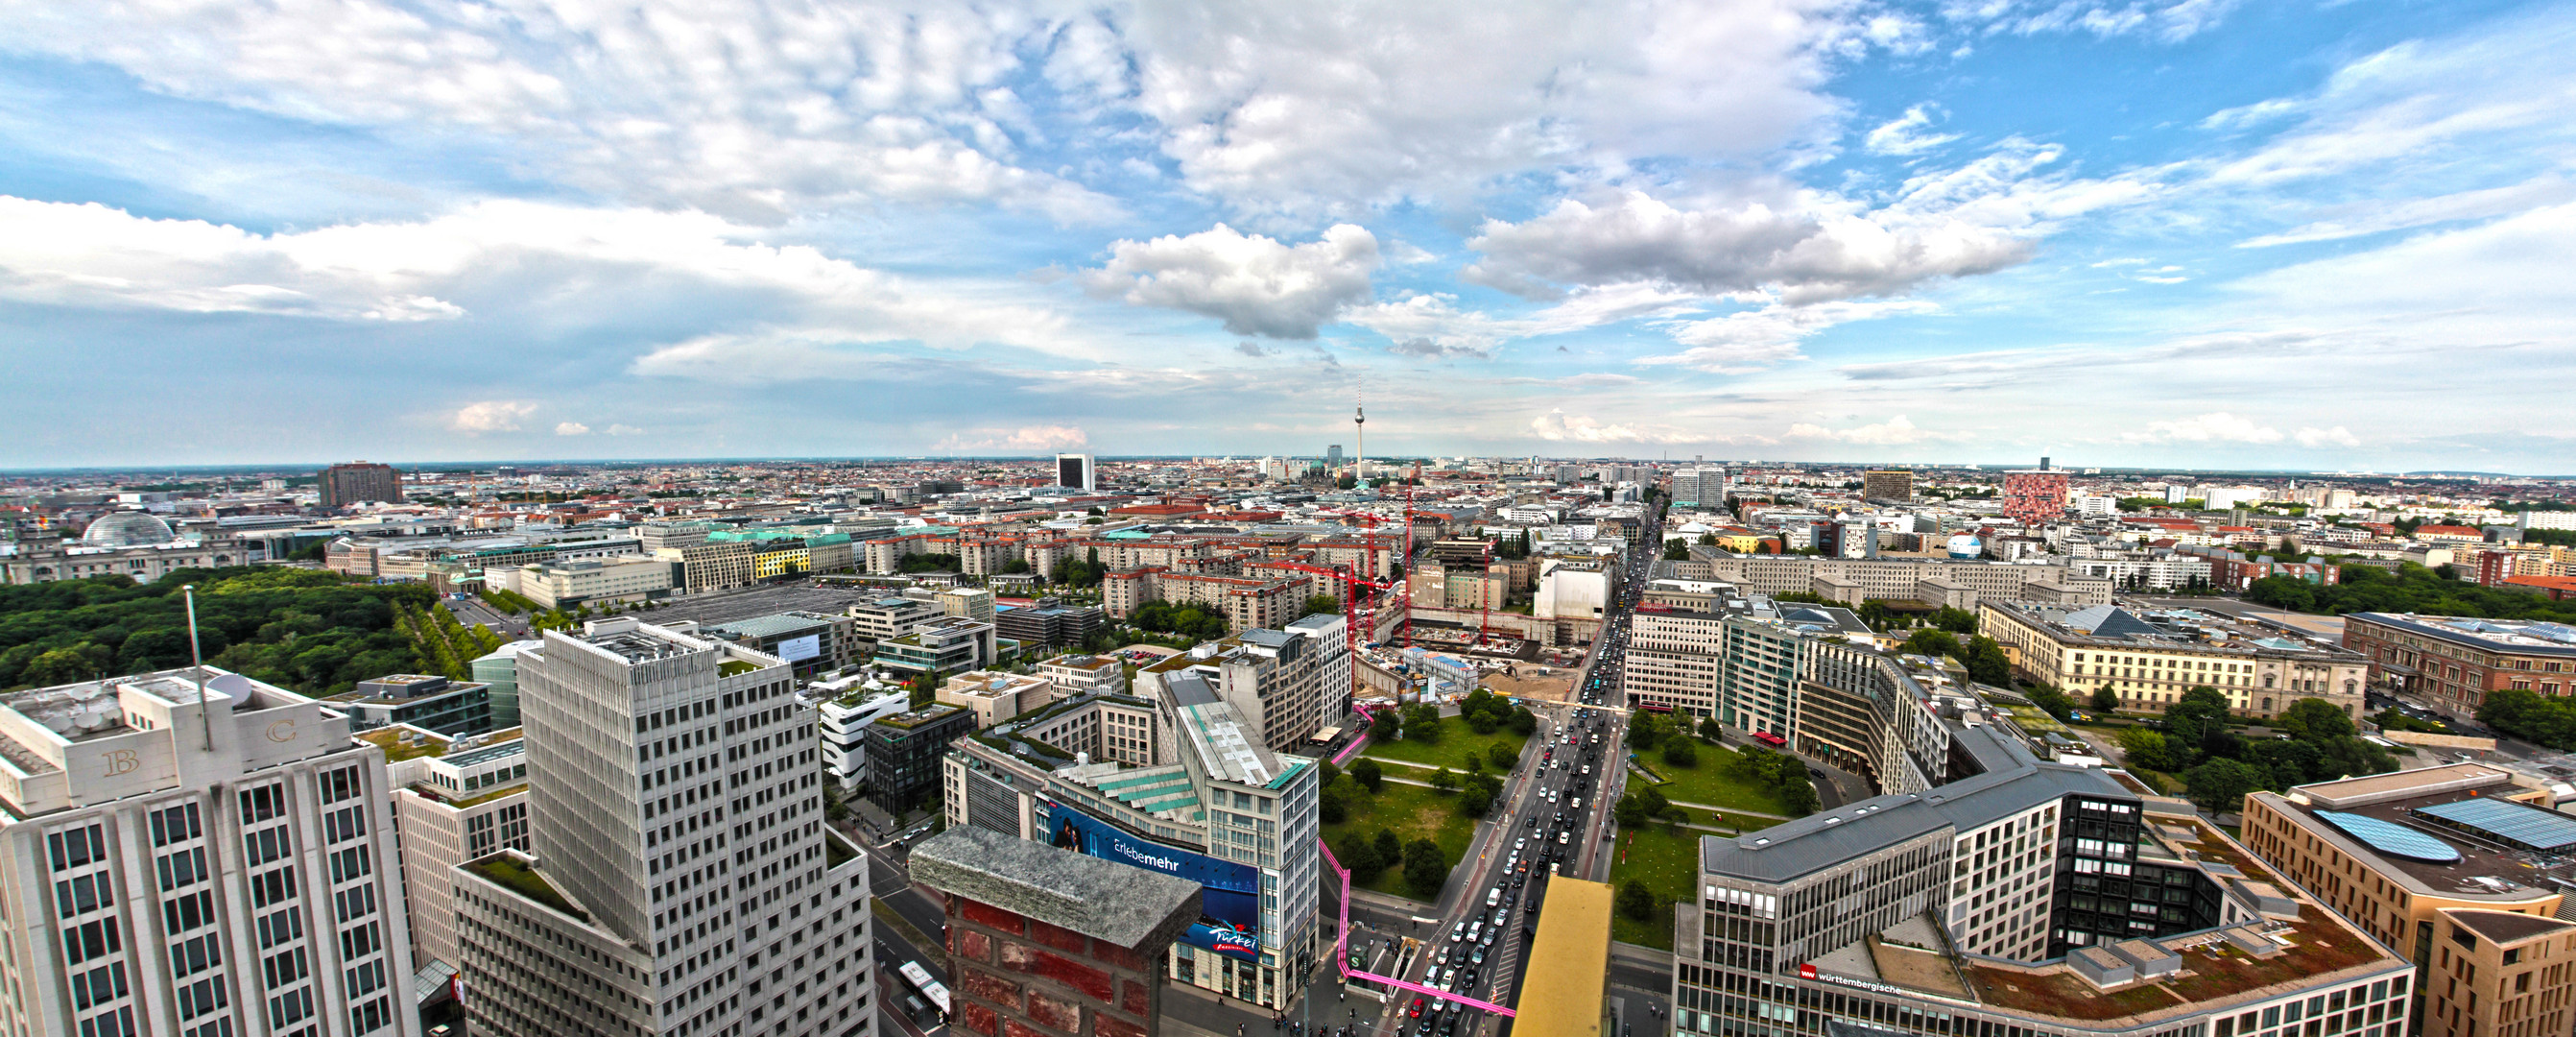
(2119, 232)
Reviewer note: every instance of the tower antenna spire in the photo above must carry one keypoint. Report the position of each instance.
(1359, 421)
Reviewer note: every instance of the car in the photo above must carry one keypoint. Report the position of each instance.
(1414, 1012)
(1520, 844)
(1494, 897)
(1477, 956)
(1560, 839)
(1587, 770)
(1475, 929)
(1522, 877)
(1488, 941)
(1457, 934)
(1500, 913)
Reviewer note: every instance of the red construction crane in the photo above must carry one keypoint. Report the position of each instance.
(1350, 598)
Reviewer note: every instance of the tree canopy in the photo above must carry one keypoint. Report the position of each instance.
(312, 631)
(2412, 588)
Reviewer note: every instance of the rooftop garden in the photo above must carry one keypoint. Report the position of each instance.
(514, 874)
(735, 667)
(397, 750)
(836, 850)
(2064, 994)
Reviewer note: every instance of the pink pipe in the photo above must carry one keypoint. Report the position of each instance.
(1342, 950)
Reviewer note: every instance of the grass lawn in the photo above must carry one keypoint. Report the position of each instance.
(1456, 741)
(1411, 812)
(1706, 784)
(1668, 863)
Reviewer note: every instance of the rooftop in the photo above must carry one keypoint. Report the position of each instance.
(2485, 868)
(2511, 635)
(1124, 905)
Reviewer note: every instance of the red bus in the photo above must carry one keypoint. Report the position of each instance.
(1769, 739)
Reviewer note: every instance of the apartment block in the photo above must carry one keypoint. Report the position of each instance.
(903, 752)
(1878, 715)
(2026, 899)
(2457, 661)
(842, 722)
(1274, 678)
(342, 485)
(1083, 674)
(714, 566)
(2035, 495)
(1898, 579)
(2445, 865)
(679, 878)
(1673, 658)
(196, 860)
(890, 617)
(2150, 660)
(995, 697)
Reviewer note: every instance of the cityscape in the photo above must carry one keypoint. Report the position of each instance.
(1711, 518)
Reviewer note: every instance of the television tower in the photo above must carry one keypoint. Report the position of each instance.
(1359, 422)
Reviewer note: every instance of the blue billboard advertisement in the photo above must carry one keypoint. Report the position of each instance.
(1229, 893)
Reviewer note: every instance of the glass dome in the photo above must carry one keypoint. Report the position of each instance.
(127, 529)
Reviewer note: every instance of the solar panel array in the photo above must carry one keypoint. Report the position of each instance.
(2530, 828)
(2396, 840)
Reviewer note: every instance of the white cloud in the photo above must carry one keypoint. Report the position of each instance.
(751, 107)
(564, 264)
(2213, 427)
(1895, 431)
(1256, 285)
(624, 430)
(1804, 246)
(2171, 21)
(1301, 109)
(490, 416)
(1556, 426)
(1027, 439)
(571, 428)
(2321, 437)
(1756, 338)
(1904, 135)
(2379, 215)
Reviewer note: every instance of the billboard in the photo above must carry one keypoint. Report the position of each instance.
(1229, 893)
(799, 649)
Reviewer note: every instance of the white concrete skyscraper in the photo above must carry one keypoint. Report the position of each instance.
(173, 870)
(683, 881)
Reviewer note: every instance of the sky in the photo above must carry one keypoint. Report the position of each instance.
(2302, 235)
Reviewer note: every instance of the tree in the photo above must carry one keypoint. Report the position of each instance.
(1524, 723)
(1502, 757)
(2316, 720)
(1329, 806)
(1425, 868)
(1630, 811)
(1445, 780)
(2193, 724)
(1933, 642)
(1636, 901)
(1422, 724)
(1799, 797)
(2052, 700)
(1676, 550)
(1366, 772)
(1361, 858)
(1645, 729)
(2221, 784)
(1321, 603)
(1383, 725)
(2105, 700)
(2144, 748)
(1478, 795)
(1956, 621)
(1986, 661)
(1325, 774)
(1475, 763)
(1712, 730)
(925, 689)
(1389, 848)
(1681, 752)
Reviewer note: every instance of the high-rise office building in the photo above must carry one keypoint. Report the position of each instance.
(358, 483)
(1077, 471)
(1699, 486)
(682, 880)
(2035, 495)
(1333, 456)
(176, 869)
(1887, 485)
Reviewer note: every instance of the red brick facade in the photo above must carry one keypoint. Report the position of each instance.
(1021, 977)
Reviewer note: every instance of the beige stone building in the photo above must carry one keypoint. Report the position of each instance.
(2437, 863)
(2149, 661)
